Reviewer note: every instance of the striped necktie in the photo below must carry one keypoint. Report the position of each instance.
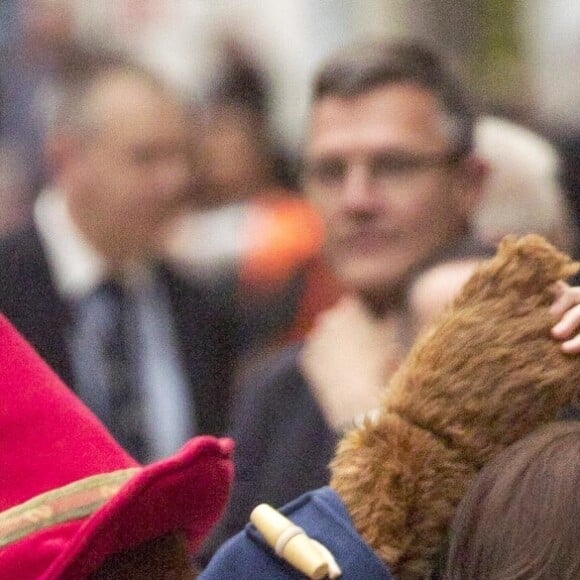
(126, 419)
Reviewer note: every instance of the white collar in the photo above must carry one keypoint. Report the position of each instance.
(76, 266)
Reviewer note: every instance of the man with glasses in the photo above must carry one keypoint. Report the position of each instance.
(389, 163)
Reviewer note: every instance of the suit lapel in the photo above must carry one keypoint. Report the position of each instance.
(205, 340)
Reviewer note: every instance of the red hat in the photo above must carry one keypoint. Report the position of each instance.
(70, 496)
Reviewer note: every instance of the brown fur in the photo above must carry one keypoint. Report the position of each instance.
(486, 374)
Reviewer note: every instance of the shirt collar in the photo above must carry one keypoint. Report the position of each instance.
(77, 267)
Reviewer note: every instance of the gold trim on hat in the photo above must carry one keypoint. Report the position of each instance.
(70, 502)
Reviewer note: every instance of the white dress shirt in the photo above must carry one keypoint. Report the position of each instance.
(77, 271)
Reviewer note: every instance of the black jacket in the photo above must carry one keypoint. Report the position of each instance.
(204, 326)
(283, 443)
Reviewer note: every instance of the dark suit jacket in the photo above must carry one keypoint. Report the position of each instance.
(283, 444)
(204, 328)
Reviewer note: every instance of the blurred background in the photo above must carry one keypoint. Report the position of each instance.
(521, 59)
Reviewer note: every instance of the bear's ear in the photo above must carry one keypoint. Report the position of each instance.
(164, 557)
(524, 267)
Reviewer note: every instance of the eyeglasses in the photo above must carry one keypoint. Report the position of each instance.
(383, 169)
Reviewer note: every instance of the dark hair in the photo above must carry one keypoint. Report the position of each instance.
(521, 516)
(244, 82)
(363, 67)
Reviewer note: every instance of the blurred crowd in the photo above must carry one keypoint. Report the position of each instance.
(240, 220)
(171, 239)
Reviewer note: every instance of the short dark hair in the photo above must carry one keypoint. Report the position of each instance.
(365, 66)
(521, 515)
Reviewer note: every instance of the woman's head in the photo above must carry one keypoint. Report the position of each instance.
(521, 516)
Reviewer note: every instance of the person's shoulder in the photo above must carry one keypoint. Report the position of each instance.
(216, 301)
(236, 558)
(467, 247)
(25, 276)
(279, 367)
(275, 391)
(20, 242)
(22, 256)
(321, 516)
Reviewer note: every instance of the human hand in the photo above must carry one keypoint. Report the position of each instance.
(347, 359)
(566, 308)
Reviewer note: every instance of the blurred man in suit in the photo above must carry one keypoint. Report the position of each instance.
(150, 353)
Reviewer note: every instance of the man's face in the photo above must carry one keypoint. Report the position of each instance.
(377, 169)
(134, 172)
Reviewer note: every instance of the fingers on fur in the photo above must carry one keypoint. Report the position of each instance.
(486, 374)
(524, 267)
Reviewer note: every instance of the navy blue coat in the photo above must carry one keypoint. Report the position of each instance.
(324, 518)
